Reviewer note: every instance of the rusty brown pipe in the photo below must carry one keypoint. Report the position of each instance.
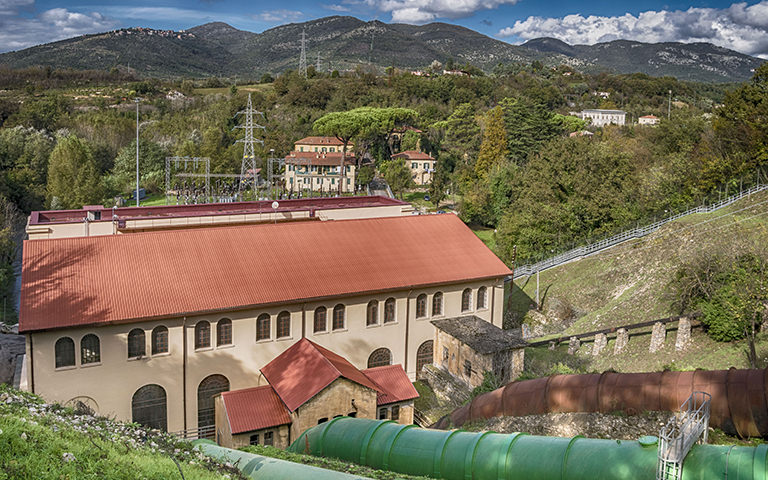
(739, 403)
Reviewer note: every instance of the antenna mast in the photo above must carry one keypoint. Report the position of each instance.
(248, 166)
(303, 57)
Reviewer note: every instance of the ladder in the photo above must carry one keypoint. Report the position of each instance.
(681, 433)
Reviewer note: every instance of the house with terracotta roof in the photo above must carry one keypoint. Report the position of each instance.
(149, 327)
(307, 385)
(422, 165)
(648, 120)
(315, 165)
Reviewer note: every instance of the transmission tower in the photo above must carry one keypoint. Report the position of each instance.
(303, 57)
(317, 66)
(249, 154)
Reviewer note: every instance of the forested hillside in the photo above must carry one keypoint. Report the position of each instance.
(505, 157)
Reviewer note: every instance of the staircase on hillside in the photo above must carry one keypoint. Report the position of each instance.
(680, 434)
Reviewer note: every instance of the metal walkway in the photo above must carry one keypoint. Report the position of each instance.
(680, 434)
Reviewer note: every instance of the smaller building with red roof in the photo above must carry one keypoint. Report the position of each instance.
(422, 165)
(307, 385)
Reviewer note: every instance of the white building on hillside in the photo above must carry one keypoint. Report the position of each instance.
(601, 118)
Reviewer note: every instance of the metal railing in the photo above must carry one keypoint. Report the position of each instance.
(592, 248)
(208, 431)
(681, 433)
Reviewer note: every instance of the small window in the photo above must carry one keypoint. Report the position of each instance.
(380, 357)
(437, 304)
(414, 165)
(466, 300)
(421, 306)
(467, 368)
(90, 349)
(136, 343)
(159, 340)
(203, 334)
(338, 317)
(482, 297)
(383, 414)
(263, 327)
(395, 413)
(268, 438)
(322, 420)
(389, 310)
(65, 352)
(320, 314)
(445, 353)
(224, 332)
(254, 440)
(372, 314)
(283, 324)
(352, 414)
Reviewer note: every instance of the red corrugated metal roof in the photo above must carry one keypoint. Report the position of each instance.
(413, 155)
(395, 386)
(305, 369)
(254, 408)
(122, 278)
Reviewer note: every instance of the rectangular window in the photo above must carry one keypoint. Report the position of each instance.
(254, 440)
(383, 414)
(333, 181)
(395, 413)
(426, 166)
(268, 438)
(445, 353)
(414, 165)
(301, 149)
(347, 181)
(467, 368)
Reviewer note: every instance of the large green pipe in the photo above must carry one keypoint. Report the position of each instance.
(463, 455)
(266, 468)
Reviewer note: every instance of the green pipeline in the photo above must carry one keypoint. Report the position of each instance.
(259, 467)
(460, 455)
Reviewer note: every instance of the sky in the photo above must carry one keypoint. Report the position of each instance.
(741, 26)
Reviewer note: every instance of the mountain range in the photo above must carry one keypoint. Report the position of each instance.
(342, 42)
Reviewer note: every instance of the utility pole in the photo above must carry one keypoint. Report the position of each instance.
(249, 154)
(669, 106)
(137, 100)
(303, 57)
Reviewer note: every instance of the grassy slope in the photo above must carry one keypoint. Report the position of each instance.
(39, 440)
(628, 284)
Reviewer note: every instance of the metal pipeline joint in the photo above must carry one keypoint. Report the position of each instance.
(739, 397)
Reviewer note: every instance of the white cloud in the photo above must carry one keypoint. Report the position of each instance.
(17, 32)
(337, 8)
(421, 11)
(279, 16)
(739, 27)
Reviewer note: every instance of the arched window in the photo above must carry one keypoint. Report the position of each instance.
(211, 386)
(423, 356)
(482, 297)
(283, 324)
(421, 306)
(263, 327)
(389, 310)
(320, 315)
(380, 357)
(437, 304)
(137, 345)
(466, 300)
(90, 350)
(65, 352)
(159, 340)
(372, 315)
(224, 332)
(338, 317)
(203, 334)
(149, 407)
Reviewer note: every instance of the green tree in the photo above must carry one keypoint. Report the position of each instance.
(397, 174)
(73, 176)
(529, 126)
(493, 149)
(151, 167)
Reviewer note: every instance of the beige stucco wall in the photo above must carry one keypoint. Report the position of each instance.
(419, 174)
(333, 401)
(280, 437)
(112, 383)
(319, 181)
(307, 147)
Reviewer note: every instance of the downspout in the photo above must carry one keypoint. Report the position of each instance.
(184, 370)
(31, 363)
(407, 327)
(493, 305)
